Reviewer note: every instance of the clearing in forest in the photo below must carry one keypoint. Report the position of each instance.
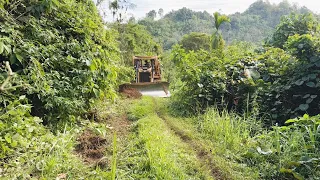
(160, 146)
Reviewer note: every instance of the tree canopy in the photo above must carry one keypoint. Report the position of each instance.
(253, 25)
(196, 41)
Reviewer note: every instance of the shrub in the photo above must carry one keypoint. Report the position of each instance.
(288, 152)
(18, 128)
(274, 83)
(61, 55)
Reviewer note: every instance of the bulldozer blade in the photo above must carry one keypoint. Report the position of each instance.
(155, 89)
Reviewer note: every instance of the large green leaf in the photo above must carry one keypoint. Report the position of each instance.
(312, 76)
(299, 82)
(311, 84)
(304, 107)
(19, 57)
(309, 100)
(7, 137)
(314, 59)
(12, 59)
(1, 47)
(7, 48)
(306, 96)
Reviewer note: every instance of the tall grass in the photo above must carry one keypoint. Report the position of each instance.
(114, 157)
(294, 150)
(287, 152)
(49, 157)
(231, 131)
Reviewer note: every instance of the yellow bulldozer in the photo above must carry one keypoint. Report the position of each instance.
(148, 77)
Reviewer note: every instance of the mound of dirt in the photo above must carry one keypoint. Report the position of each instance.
(92, 148)
(130, 93)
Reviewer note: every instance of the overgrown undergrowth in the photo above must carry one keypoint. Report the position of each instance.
(33, 151)
(283, 152)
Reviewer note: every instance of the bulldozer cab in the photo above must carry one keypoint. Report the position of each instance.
(147, 69)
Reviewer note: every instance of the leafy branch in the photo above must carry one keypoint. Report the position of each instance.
(10, 75)
(7, 80)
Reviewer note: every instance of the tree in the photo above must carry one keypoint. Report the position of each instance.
(152, 14)
(132, 19)
(160, 12)
(217, 41)
(195, 41)
(135, 40)
(119, 9)
(291, 25)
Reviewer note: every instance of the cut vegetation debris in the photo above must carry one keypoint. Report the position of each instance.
(131, 93)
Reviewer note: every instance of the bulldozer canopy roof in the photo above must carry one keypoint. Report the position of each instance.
(145, 57)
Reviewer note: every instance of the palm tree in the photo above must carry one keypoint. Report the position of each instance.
(217, 41)
(114, 7)
(118, 8)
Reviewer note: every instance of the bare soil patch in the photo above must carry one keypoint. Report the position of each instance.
(130, 92)
(92, 148)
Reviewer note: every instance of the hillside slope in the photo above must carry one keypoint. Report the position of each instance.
(253, 25)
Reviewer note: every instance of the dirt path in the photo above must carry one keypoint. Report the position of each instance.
(204, 155)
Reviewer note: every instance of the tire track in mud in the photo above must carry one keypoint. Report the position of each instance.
(204, 155)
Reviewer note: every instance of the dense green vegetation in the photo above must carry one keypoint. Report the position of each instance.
(282, 81)
(265, 86)
(135, 40)
(253, 25)
(61, 59)
(56, 57)
(245, 89)
(196, 41)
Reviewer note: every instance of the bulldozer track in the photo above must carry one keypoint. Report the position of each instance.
(204, 155)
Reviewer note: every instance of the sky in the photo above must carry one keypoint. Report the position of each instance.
(223, 6)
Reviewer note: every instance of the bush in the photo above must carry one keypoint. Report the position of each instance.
(283, 152)
(273, 83)
(18, 128)
(288, 152)
(61, 55)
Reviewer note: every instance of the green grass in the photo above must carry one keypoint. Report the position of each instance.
(49, 156)
(169, 157)
(160, 146)
(140, 108)
(154, 151)
(46, 155)
(245, 150)
(230, 132)
(114, 158)
(217, 134)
